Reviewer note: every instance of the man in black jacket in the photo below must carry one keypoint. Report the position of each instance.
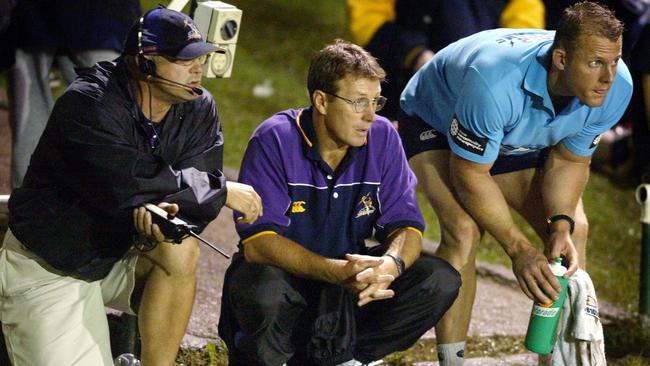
(126, 133)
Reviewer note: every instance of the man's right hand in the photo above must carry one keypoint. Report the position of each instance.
(364, 276)
(243, 199)
(144, 224)
(534, 275)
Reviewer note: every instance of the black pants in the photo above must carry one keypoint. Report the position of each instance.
(269, 317)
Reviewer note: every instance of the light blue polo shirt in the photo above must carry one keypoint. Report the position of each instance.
(488, 93)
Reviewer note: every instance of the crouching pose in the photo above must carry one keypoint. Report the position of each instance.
(304, 288)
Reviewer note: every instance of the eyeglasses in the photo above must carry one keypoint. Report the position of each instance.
(201, 59)
(360, 104)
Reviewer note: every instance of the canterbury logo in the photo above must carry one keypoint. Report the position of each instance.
(298, 206)
(427, 135)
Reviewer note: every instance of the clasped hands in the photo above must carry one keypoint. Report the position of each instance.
(369, 277)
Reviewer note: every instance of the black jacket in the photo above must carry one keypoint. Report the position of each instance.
(94, 164)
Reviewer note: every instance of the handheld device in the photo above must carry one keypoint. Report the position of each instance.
(176, 228)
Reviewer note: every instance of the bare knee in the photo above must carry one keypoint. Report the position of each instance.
(459, 239)
(581, 229)
(175, 260)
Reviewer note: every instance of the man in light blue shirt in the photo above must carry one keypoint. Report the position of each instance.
(507, 119)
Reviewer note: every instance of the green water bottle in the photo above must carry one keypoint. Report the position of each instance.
(544, 318)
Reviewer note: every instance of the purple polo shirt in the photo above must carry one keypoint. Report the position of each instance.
(328, 212)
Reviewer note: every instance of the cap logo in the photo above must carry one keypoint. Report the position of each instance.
(193, 33)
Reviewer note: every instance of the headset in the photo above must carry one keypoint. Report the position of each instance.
(148, 67)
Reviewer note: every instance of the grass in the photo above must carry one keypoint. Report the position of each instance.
(627, 344)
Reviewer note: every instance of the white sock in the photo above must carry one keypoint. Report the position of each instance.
(451, 354)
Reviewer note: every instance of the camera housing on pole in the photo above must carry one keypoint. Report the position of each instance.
(219, 23)
(643, 198)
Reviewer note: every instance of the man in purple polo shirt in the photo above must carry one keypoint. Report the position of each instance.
(304, 288)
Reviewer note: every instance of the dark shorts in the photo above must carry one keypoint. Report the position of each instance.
(417, 137)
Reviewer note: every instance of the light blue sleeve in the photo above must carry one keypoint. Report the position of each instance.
(584, 143)
(476, 132)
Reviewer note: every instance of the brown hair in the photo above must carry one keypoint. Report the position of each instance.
(338, 60)
(586, 18)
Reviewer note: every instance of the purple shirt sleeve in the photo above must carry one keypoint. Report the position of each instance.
(398, 204)
(263, 169)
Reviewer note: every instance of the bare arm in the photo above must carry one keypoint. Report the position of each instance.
(565, 177)
(407, 244)
(484, 201)
(279, 251)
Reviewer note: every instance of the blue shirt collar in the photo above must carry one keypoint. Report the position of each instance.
(535, 80)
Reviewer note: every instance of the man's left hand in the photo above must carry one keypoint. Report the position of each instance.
(243, 199)
(561, 244)
(377, 280)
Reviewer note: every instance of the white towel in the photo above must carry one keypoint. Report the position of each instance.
(581, 341)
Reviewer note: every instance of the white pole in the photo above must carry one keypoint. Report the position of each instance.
(177, 5)
(642, 196)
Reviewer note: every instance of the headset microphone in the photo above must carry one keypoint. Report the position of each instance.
(148, 67)
(194, 89)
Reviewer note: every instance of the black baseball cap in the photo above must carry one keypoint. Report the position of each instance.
(167, 32)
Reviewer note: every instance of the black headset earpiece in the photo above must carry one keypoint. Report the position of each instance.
(147, 67)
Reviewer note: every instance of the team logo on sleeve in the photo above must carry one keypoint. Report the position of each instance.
(428, 135)
(298, 206)
(466, 139)
(595, 141)
(367, 208)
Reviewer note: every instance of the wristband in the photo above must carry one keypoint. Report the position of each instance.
(554, 218)
(398, 261)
